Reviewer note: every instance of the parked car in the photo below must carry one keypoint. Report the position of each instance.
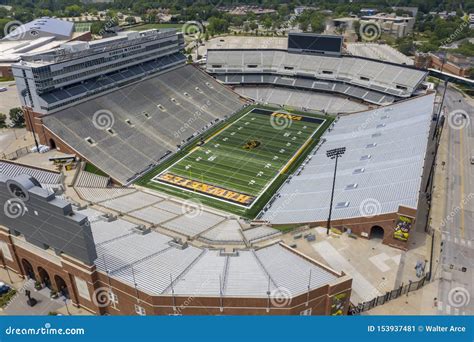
(472, 160)
(2, 89)
(4, 288)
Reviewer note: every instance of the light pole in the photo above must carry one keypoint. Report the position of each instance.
(335, 153)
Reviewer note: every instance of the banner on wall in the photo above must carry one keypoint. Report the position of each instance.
(338, 304)
(402, 228)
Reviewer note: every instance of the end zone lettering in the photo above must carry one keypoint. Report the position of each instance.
(208, 189)
(287, 116)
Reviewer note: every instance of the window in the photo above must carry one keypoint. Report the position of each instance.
(327, 72)
(401, 87)
(216, 66)
(366, 157)
(252, 66)
(161, 107)
(380, 125)
(140, 310)
(371, 145)
(351, 186)
(129, 122)
(110, 131)
(357, 171)
(363, 78)
(375, 135)
(289, 68)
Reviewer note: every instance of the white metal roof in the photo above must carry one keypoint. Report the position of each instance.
(158, 267)
(388, 143)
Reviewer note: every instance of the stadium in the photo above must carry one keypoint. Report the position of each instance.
(189, 175)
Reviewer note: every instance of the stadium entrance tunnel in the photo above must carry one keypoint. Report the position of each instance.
(28, 269)
(44, 277)
(61, 286)
(52, 144)
(376, 233)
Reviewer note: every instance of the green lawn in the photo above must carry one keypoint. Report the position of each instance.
(92, 169)
(239, 164)
(82, 27)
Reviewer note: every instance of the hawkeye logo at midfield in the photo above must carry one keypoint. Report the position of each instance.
(288, 116)
(208, 189)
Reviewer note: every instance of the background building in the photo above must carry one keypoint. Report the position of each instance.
(392, 24)
(39, 35)
(55, 79)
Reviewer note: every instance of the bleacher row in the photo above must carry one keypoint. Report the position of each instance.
(327, 103)
(147, 121)
(382, 52)
(152, 263)
(175, 217)
(113, 80)
(395, 80)
(91, 180)
(48, 179)
(310, 84)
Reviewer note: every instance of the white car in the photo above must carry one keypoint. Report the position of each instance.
(3, 89)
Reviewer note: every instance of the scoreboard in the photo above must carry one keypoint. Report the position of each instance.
(315, 43)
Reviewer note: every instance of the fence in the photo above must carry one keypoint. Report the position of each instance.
(17, 154)
(402, 290)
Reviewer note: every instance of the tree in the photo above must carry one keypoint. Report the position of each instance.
(97, 27)
(73, 11)
(406, 46)
(471, 73)
(318, 24)
(3, 120)
(253, 25)
(267, 23)
(131, 20)
(304, 26)
(17, 117)
(217, 25)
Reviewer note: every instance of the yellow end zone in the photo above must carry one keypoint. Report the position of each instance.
(208, 189)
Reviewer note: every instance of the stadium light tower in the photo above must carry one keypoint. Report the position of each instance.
(335, 153)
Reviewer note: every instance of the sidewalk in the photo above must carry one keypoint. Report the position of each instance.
(419, 302)
(45, 305)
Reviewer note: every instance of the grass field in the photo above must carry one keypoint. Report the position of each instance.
(238, 165)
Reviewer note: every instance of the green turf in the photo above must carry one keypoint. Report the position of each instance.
(92, 169)
(222, 160)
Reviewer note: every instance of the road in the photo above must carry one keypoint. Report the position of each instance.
(456, 288)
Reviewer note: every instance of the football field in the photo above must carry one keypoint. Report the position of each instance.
(238, 163)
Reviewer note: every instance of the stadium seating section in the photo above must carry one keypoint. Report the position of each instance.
(153, 264)
(368, 80)
(380, 170)
(150, 120)
(327, 103)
